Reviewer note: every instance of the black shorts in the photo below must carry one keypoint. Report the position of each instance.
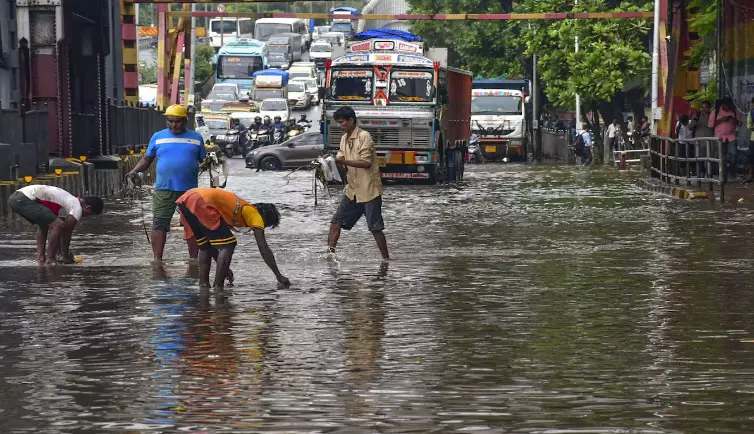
(31, 210)
(220, 238)
(349, 212)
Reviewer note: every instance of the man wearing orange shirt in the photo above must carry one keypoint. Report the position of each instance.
(208, 214)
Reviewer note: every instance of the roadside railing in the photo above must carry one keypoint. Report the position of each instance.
(633, 156)
(556, 145)
(698, 162)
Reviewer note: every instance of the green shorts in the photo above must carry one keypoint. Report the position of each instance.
(163, 208)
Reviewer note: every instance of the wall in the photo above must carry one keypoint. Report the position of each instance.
(8, 57)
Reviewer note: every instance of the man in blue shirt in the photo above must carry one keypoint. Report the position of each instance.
(178, 152)
(586, 136)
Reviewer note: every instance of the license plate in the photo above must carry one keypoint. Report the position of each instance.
(490, 149)
(381, 162)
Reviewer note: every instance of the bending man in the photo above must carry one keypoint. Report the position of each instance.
(208, 214)
(56, 212)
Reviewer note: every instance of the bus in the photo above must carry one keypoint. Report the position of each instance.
(266, 27)
(238, 60)
(222, 30)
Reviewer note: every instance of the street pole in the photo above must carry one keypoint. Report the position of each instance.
(578, 97)
(535, 109)
(192, 74)
(719, 51)
(655, 67)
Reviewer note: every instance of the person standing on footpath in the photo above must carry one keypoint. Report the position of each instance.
(178, 152)
(363, 192)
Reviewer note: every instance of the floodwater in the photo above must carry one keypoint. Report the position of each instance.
(526, 299)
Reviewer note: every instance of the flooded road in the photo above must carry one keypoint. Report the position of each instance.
(527, 299)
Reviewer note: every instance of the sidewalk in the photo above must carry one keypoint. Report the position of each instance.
(735, 192)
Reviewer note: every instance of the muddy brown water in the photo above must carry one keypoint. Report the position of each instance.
(526, 299)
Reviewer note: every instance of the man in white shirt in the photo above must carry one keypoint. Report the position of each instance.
(586, 136)
(56, 212)
(612, 134)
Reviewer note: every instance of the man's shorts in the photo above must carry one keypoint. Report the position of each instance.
(163, 208)
(349, 212)
(220, 238)
(31, 210)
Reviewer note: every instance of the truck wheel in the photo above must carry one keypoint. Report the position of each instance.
(270, 163)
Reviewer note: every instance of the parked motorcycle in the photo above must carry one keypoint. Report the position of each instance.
(474, 154)
(233, 142)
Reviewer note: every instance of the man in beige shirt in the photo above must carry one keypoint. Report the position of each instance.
(363, 193)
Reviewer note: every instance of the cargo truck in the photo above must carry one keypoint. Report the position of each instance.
(417, 112)
(499, 118)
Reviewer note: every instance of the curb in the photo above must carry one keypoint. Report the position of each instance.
(677, 192)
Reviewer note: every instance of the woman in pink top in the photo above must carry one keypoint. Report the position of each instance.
(725, 121)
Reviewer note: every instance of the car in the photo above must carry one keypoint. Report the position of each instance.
(291, 154)
(298, 95)
(226, 88)
(275, 107)
(215, 101)
(311, 87)
(297, 70)
(319, 52)
(216, 124)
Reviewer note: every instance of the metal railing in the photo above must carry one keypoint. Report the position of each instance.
(556, 145)
(634, 154)
(698, 162)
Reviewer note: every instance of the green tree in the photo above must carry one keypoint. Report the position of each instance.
(703, 21)
(203, 65)
(147, 73)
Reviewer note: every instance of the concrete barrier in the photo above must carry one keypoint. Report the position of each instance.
(101, 177)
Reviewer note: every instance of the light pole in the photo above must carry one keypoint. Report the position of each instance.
(655, 66)
(578, 97)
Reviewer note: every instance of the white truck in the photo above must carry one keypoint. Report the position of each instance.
(499, 117)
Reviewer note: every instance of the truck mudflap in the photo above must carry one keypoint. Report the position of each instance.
(421, 166)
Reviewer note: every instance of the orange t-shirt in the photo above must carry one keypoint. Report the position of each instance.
(211, 204)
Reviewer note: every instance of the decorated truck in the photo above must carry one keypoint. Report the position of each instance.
(417, 112)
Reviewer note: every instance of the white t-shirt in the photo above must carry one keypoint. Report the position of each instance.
(56, 199)
(611, 130)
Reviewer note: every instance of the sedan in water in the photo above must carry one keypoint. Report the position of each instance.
(294, 153)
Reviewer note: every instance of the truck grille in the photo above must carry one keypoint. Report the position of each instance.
(388, 138)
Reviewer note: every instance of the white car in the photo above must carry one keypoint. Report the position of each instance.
(298, 97)
(275, 107)
(311, 87)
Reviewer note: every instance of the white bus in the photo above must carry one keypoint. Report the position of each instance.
(224, 30)
(266, 27)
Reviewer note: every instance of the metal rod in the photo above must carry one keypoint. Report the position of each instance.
(655, 66)
(428, 17)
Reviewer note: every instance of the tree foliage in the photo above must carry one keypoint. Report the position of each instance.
(613, 54)
(703, 21)
(203, 67)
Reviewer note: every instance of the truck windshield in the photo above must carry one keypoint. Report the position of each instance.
(320, 49)
(238, 67)
(495, 105)
(265, 30)
(411, 86)
(341, 27)
(263, 94)
(351, 85)
(278, 48)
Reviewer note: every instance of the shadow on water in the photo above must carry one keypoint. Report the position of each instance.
(525, 299)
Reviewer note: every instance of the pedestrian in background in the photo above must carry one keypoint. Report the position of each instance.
(612, 134)
(178, 152)
(363, 192)
(700, 120)
(725, 121)
(750, 126)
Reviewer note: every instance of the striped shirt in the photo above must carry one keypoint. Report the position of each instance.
(178, 157)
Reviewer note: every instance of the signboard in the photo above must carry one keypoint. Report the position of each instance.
(384, 45)
(353, 74)
(414, 59)
(383, 58)
(352, 58)
(411, 48)
(364, 46)
(494, 92)
(220, 8)
(411, 74)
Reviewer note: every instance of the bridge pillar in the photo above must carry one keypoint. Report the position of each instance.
(130, 46)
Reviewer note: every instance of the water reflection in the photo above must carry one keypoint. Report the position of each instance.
(526, 299)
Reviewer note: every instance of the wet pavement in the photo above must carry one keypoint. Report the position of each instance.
(526, 299)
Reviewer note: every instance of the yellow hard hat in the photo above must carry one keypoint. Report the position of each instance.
(176, 110)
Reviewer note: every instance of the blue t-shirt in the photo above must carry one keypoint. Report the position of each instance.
(178, 157)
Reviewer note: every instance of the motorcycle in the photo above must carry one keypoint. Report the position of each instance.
(474, 154)
(233, 142)
(264, 135)
(253, 139)
(278, 136)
